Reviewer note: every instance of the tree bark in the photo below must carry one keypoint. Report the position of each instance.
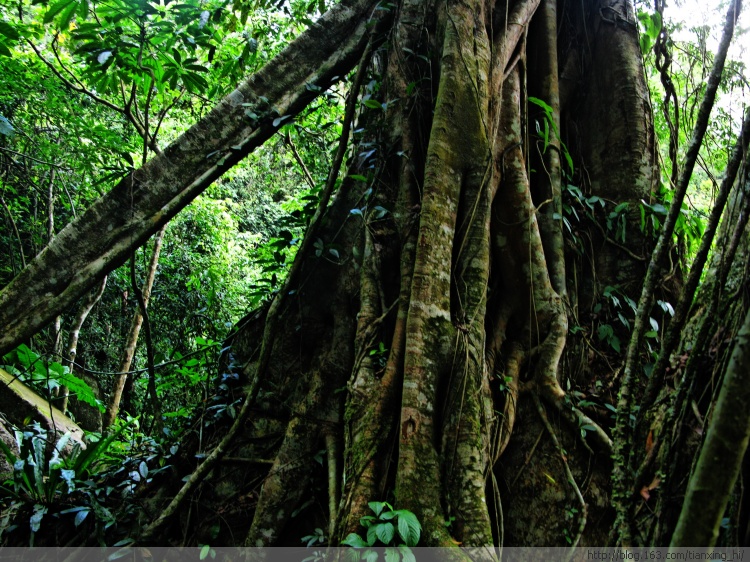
(131, 341)
(75, 333)
(454, 282)
(720, 458)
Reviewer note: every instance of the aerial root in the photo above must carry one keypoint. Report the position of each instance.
(568, 474)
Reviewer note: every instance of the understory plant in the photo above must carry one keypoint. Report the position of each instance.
(54, 479)
(397, 529)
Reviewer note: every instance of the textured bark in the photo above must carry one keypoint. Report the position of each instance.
(131, 340)
(672, 337)
(455, 284)
(75, 332)
(721, 456)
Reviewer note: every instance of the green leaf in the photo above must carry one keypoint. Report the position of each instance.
(39, 445)
(68, 476)
(568, 158)
(80, 516)
(409, 527)
(8, 31)
(406, 553)
(36, 518)
(370, 555)
(56, 9)
(546, 107)
(372, 536)
(645, 42)
(8, 453)
(83, 9)
(377, 507)
(372, 104)
(95, 450)
(392, 555)
(353, 539)
(614, 342)
(67, 15)
(77, 386)
(385, 532)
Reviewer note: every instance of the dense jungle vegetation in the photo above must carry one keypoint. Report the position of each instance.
(409, 272)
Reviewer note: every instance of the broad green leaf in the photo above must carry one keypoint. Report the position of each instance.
(8, 31)
(406, 554)
(56, 9)
(66, 16)
(645, 42)
(614, 341)
(392, 555)
(353, 539)
(385, 532)
(409, 527)
(377, 507)
(77, 386)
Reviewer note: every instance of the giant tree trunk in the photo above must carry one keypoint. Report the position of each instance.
(423, 343)
(455, 266)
